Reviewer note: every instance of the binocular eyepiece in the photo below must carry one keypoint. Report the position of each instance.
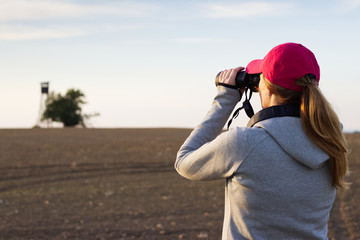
(244, 80)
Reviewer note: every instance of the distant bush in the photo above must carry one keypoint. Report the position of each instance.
(67, 108)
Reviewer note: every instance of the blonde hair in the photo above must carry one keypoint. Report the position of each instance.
(320, 122)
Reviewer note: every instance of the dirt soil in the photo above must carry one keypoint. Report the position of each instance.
(121, 184)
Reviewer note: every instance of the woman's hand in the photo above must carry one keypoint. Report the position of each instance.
(228, 76)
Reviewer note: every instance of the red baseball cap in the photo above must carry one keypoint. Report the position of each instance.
(284, 64)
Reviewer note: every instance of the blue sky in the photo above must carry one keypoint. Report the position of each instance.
(153, 63)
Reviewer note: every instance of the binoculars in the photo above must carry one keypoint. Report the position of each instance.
(247, 81)
(244, 80)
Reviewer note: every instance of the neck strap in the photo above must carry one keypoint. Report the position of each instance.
(288, 110)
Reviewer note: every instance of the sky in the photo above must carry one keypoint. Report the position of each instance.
(153, 63)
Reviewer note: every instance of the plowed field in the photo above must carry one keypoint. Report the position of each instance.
(121, 184)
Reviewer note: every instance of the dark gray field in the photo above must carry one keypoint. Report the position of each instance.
(121, 184)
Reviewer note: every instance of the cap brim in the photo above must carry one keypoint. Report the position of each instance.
(254, 67)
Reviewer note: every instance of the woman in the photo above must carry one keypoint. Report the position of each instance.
(282, 171)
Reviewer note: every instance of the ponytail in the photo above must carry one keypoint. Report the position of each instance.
(320, 122)
(323, 127)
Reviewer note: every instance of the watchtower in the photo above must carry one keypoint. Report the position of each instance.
(43, 97)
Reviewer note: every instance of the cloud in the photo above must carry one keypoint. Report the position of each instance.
(11, 10)
(345, 7)
(201, 40)
(352, 3)
(54, 19)
(23, 32)
(247, 9)
(27, 32)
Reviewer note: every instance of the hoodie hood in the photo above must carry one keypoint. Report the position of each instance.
(288, 133)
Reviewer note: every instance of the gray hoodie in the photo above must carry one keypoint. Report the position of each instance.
(278, 183)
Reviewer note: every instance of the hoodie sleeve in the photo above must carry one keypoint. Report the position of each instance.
(206, 155)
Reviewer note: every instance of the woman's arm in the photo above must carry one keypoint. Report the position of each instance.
(205, 155)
